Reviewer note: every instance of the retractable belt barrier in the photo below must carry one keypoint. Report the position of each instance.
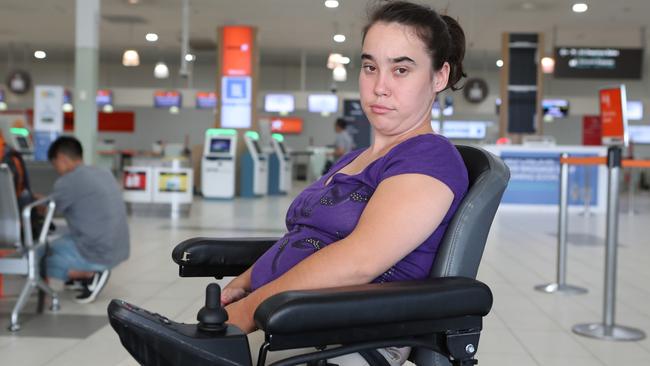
(608, 329)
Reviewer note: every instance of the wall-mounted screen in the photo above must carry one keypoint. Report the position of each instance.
(167, 99)
(206, 100)
(279, 103)
(639, 134)
(598, 63)
(464, 129)
(220, 145)
(104, 97)
(634, 110)
(23, 144)
(556, 108)
(286, 125)
(323, 103)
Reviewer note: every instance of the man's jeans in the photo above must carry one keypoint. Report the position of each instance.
(64, 256)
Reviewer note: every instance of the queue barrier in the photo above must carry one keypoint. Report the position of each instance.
(607, 329)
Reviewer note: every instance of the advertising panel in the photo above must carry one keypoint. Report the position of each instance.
(613, 115)
(48, 115)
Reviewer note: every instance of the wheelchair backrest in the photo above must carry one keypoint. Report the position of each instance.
(462, 246)
(9, 215)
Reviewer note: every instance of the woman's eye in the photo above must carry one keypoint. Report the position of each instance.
(401, 70)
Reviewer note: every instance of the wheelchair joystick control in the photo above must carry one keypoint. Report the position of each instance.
(212, 317)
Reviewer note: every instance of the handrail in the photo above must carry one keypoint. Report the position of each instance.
(27, 221)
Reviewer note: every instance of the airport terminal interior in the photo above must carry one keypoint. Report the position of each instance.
(212, 116)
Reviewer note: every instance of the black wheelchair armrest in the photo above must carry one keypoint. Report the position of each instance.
(218, 257)
(373, 312)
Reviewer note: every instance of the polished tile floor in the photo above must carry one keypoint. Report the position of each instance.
(525, 327)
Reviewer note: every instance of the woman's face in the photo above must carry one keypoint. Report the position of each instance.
(397, 82)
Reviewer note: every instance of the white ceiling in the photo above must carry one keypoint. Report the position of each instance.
(288, 27)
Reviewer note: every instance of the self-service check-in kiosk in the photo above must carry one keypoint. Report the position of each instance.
(20, 141)
(254, 167)
(279, 167)
(218, 166)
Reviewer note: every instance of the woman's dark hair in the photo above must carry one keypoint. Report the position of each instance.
(66, 145)
(442, 35)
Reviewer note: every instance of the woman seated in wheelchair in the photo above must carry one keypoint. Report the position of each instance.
(380, 212)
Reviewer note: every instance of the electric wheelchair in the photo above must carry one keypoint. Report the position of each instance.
(440, 317)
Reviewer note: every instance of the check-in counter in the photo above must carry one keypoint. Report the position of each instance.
(535, 177)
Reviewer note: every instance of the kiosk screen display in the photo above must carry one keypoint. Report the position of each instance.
(256, 146)
(556, 108)
(634, 110)
(22, 143)
(219, 145)
(279, 103)
(323, 103)
(284, 151)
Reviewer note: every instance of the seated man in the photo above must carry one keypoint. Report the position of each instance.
(91, 202)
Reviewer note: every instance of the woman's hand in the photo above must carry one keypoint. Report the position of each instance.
(232, 294)
(240, 314)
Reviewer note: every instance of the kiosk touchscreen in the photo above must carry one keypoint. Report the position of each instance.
(254, 167)
(21, 141)
(279, 166)
(218, 164)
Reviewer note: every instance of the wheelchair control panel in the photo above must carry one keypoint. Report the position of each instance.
(153, 339)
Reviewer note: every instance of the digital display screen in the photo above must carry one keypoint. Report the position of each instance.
(256, 146)
(172, 182)
(556, 108)
(23, 144)
(206, 100)
(639, 134)
(436, 109)
(104, 97)
(598, 63)
(464, 129)
(279, 103)
(135, 181)
(322, 103)
(286, 125)
(218, 145)
(167, 99)
(634, 110)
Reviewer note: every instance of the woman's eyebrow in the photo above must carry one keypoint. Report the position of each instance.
(395, 60)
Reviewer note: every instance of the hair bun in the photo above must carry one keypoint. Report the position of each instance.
(456, 52)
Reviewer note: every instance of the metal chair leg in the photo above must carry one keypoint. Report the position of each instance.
(22, 300)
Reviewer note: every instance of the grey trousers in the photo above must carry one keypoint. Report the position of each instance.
(394, 355)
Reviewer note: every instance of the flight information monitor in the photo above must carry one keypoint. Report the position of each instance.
(323, 103)
(279, 103)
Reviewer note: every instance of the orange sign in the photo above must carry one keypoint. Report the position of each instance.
(614, 123)
(286, 125)
(237, 51)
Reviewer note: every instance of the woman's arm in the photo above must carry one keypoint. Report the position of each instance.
(403, 212)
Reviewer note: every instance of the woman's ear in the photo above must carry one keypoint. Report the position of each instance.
(441, 77)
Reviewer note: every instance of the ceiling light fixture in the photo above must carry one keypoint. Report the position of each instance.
(579, 7)
(67, 107)
(107, 108)
(40, 54)
(331, 4)
(161, 71)
(548, 65)
(3, 106)
(499, 63)
(344, 60)
(151, 37)
(189, 57)
(130, 58)
(339, 38)
(339, 73)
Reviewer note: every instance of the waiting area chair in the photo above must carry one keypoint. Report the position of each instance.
(440, 317)
(21, 259)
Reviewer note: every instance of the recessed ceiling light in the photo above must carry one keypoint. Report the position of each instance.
(499, 63)
(331, 4)
(151, 37)
(345, 60)
(339, 38)
(548, 65)
(189, 57)
(528, 6)
(40, 54)
(579, 7)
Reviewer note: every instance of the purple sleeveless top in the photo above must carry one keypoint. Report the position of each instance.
(323, 214)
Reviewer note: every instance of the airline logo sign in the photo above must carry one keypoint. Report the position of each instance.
(237, 51)
(612, 115)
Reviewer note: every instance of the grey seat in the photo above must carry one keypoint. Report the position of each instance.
(23, 260)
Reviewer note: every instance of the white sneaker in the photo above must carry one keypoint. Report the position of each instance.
(89, 294)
